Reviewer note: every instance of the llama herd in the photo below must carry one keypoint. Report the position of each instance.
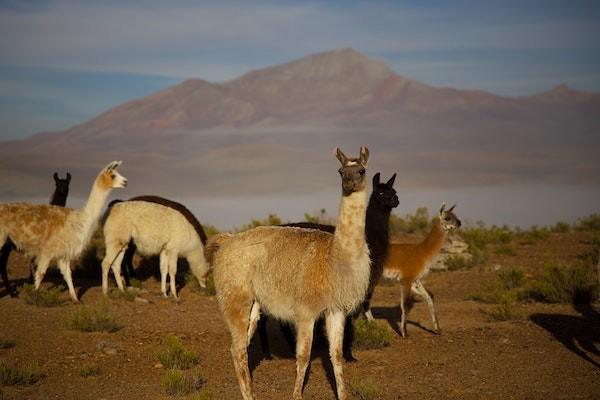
(297, 273)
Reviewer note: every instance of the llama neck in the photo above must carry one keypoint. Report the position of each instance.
(58, 199)
(95, 203)
(436, 238)
(349, 236)
(377, 231)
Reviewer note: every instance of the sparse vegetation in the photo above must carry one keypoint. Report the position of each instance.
(589, 223)
(506, 250)
(88, 370)
(43, 297)
(175, 355)
(505, 311)
(320, 218)
(181, 383)
(136, 283)
(366, 389)
(6, 343)
(127, 295)
(272, 219)
(533, 234)
(371, 335)
(19, 375)
(561, 284)
(419, 222)
(89, 319)
(455, 262)
(511, 278)
(561, 227)
(192, 282)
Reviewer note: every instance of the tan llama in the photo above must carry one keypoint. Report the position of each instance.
(410, 262)
(58, 233)
(297, 275)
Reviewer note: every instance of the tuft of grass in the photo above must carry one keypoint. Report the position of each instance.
(505, 250)
(534, 234)
(192, 282)
(589, 223)
(371, 335)
(561, 227)
(19, 375)
(511, 278)
(577, 284)
(42, 297)
(507, 288)
(88, 319)
(455, 262)
(127, 295)
(7, 344)
(366, 389)
(175, 355)
(88, 370)
(181, 383)
(136, 283)
(505, 311)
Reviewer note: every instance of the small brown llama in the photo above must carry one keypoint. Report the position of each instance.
(59, 198)
(410, 262)
(57, 233)
(297, 275)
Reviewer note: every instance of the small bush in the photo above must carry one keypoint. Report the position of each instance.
(561, 227)
(366, 389)
(503, 312)
(88, 370)
(505, 250)
(181, 383)
(512, 278)
(6, 343)
(15, 375)
(272, 219)
(176, 356)
(419, 222)
(534, 234)
(481, 236)
(127, 295)
(560, 284)
(42, 297)
(455, 262)
(88, 319)
(589, 223)
(371, 335)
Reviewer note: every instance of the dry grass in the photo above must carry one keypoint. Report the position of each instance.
(175, 355)
(43, 297)
(371, 335)
(366, 389)
(89, 319)
(88, 370)
(181, 383)
(19, 375)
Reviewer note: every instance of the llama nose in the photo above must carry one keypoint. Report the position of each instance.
(124, 182)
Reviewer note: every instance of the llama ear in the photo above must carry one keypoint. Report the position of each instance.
(68, 177)
(55, 177)
(376, 180)
(452, 208)
(340, 156)
(390, 183)
(364, 155)
(442, 208)
(111, 166)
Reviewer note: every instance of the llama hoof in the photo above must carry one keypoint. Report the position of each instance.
(13, 294)
(350, 358)
(437, 331)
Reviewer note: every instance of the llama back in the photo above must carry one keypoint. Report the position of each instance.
(406, 260)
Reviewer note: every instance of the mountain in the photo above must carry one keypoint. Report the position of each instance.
(271, 130)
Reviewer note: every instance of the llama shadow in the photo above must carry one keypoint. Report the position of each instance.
(392, 316)
(579, 334)
(280, 348)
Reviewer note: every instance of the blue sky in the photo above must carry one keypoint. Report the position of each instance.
(64, 62)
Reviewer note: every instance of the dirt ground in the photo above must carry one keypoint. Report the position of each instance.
(550, 352)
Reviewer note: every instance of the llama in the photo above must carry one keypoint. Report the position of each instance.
(410, 262)
(59, 198)
(383, 199)
(58, 233)
(297, 275)
(127, 264)
(156, 226)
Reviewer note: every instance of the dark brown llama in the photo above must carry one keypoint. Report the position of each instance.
(59, 198)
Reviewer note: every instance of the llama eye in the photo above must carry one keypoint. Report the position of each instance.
(361, 172)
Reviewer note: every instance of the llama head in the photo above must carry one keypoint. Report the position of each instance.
(353, 171)
(448, 220)
(384, 195)
(109, 178)
(62, 185)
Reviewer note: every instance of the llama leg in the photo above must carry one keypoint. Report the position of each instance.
(348, 339)
(304, 338)
(6, 249)
(404, 295)
(172, 261)
(254, 318)
(334, 323)
(419, 289)
(264, 339)
(164, 270)
(112, 251)
(236, 313)
(366, 306)
(65, 269)
(42, 265)
(116, 269)
(127, 264)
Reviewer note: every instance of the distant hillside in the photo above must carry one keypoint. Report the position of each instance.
(271, 130)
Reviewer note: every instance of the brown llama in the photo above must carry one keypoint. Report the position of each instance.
(297, 275)
(410, 262)
(58, 233)
(59, 198)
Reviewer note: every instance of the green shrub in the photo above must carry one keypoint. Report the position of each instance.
(272, 219)
(127, 294)
(42, 297)
(320, 218)
(511, 278)
(505, 250)
(534, 234)
(366, 389)
(175, 355)
(561, 227)
(455, 262)
(181, 383)
(88, 370)
(371, 335)
(560, 284)
(505, 311)
(210, 230)
(6, 343)
(16, 375)
(136, 283)
(192, 282)
(589, 223)
(419, 222)
(480, 236)
(88, 319)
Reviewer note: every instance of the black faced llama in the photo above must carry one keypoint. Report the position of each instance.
(297, 275)
(59, 198)
(58, 233)
(410, 262)
(383, 199)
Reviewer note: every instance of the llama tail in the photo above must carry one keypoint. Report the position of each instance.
(213, 245)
